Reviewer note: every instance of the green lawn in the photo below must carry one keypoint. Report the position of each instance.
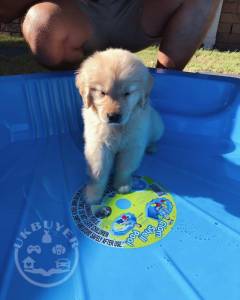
(16, 59)
(203, 61)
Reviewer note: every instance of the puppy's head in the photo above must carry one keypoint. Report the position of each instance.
(113, 83)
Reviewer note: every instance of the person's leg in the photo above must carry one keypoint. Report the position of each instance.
(182, 24)
(56, 33)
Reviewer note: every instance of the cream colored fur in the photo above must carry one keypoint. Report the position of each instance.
(110, 82)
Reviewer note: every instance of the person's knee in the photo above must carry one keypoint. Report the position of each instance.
(39, 29)
(206, 5)
(48, 32)
(213, 5)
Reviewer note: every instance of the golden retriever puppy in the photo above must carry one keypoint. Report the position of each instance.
(119, 123)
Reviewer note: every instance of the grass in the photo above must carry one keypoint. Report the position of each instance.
(203, 61)
(15, 58)
(7, 40)
(19, 65)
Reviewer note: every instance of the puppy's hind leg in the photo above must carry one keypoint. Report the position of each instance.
(157, 126)
(127, 161)
(100, 161)
(157, 129)
(151, 148)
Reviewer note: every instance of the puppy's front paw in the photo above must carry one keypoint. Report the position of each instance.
(123, 185)
(124, 189)
(92, 194)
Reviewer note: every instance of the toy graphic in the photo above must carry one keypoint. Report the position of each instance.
(35, 248)
(28, 263)
(124, 224)
(46, 238)
(58, 249)
(63, 264)
(160, 208)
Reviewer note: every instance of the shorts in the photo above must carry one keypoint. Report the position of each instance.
(116, 24)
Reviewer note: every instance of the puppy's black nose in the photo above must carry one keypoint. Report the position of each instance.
(114, 118)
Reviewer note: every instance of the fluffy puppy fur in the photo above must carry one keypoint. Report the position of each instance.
(119, 123)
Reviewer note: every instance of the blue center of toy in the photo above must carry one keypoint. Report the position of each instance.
(123, 203)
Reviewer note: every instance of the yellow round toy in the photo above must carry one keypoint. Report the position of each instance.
(137, 219)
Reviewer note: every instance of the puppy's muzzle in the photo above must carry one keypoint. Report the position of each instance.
(114, 118)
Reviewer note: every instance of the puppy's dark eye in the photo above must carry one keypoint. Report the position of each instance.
(102, 93)
(126, 94)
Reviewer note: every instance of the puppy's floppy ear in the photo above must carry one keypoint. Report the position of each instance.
(147, 90)
(81, 84)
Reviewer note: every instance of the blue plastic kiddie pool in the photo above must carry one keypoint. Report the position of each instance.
(175, 236)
